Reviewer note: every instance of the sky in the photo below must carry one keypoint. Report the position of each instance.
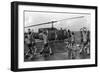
(34, 18)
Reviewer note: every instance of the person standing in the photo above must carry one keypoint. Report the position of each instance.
(29, 44)
(33, 42)
(72, 38)
(46, 47)
(84, 38)
(69, 36)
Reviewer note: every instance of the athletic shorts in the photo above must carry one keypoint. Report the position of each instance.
(29, 45)
(45, 45)
(33, 44)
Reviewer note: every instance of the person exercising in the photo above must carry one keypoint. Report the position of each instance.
(29, 44)
(46, 48)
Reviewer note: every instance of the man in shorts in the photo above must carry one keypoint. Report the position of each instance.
(84, 41)
(29, 45)
(30, 41)
(46, 48)
(72, 38)
(33, 42)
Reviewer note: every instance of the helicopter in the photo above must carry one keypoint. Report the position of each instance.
(53, 33)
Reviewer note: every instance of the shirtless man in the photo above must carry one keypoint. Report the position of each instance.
(45, 42)
(84, 41)
(29, 44)
(33, 42)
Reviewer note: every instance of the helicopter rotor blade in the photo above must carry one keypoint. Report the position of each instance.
(41, 24)
(71, 18)
(54, 21)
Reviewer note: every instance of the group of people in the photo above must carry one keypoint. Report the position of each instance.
(72, 47)
(75, 49)
(30, 41)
